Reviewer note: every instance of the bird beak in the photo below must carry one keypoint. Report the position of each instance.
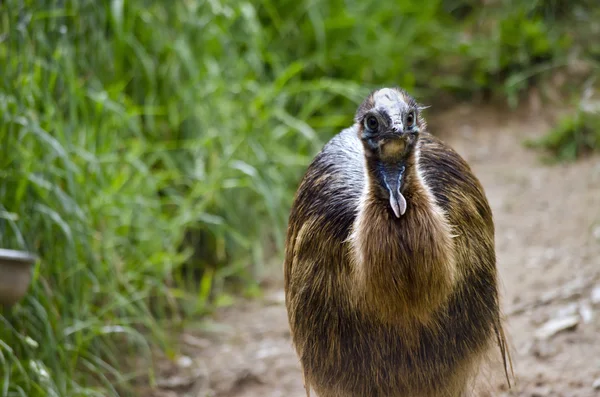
(392, 178)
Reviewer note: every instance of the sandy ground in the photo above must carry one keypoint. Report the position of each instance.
(548, 248)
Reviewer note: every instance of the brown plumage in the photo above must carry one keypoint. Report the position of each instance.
(390, 267)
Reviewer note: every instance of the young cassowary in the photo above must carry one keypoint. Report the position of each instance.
(390, 267)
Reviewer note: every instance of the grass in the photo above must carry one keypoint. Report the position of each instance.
(575, 134)
(150, 151)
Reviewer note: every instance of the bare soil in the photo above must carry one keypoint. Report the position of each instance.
(548, 248)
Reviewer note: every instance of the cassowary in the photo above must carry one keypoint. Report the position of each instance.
(390, 267)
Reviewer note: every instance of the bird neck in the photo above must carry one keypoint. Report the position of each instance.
(403, 266)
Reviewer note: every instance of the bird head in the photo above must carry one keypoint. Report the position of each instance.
(388, 124)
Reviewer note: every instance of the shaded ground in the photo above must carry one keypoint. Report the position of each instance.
(548, 248)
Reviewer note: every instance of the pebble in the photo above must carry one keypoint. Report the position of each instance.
(596, 295)
(596, 384)
(596, 232)
(184, 362)
(586, 313)
(556, 325)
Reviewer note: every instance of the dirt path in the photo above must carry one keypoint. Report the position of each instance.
(548, 248)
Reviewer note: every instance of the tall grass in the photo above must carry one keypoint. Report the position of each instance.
(148, 147)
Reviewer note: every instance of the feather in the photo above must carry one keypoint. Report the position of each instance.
(386, 301)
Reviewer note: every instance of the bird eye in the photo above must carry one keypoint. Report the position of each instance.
(410, 119)
(372, 123)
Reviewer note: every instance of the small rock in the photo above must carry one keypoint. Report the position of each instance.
(556, 325)
(586, 313)
(184, 362)
(596, 232)
(596, 295)
(596, 384)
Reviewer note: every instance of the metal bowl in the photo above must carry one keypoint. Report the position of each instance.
(15, 275)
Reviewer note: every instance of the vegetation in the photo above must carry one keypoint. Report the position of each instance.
(576, 134)
(150, 149)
